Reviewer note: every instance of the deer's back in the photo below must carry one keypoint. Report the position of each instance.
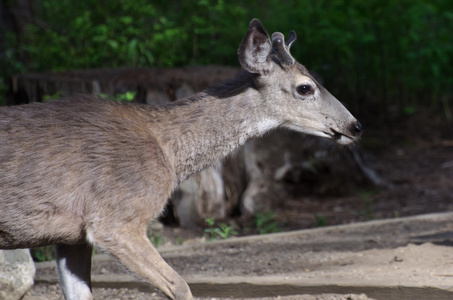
(65, 163)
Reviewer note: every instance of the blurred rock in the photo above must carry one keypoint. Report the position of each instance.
(17, 270)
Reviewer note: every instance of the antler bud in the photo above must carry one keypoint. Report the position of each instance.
(291, 39)
(281, 49)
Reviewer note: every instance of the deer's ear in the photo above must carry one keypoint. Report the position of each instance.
(254, 51)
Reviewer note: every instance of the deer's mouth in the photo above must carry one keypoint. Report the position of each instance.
(339, 137)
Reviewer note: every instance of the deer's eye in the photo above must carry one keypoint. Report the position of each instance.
(304, 90)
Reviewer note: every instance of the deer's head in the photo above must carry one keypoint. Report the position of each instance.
(289, 94)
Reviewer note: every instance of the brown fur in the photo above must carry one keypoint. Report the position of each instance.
(58, 155)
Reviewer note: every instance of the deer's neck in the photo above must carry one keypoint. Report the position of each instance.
(197, 132)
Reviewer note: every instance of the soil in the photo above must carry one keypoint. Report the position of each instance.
(416, 162)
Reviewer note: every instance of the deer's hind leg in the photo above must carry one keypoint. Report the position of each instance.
(133, 250)
(74, 270)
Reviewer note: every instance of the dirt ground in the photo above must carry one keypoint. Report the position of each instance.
(403, 258)
(418, 170)
(52, 292)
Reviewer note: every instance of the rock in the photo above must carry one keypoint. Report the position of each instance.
(201, 196)
(16, 273)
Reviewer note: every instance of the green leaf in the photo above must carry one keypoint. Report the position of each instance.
(114, 44)
(126, 20)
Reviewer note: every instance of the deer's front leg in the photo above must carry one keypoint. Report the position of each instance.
(134, 251)
(74, 270)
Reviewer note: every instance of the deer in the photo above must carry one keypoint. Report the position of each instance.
(84, 172)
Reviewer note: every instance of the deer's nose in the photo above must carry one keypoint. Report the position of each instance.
(356, 128)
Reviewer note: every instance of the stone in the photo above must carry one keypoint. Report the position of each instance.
(201, 196)
(17, 270)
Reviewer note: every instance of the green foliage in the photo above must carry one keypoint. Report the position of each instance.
(320, 220)
(56, 95)
(225, 231)
(125, 97)
(266, 223)
(90, 34)
(40, 254)
(154, 234)
(179, 241)
(156, 239)
(216, 231)
(368, 203)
